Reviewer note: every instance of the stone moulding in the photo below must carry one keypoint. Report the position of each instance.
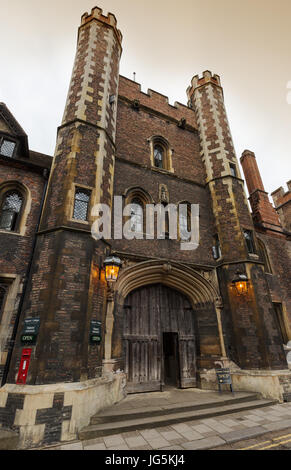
(48, 414)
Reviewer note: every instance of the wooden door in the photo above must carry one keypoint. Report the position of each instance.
(149, 312)
(187, 356)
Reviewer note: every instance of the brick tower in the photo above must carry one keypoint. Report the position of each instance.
(263, 211)
(250, 330)
(67, 259)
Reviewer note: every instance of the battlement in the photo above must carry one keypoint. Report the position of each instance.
(97, 13)
(207, 77)
(156, 101)
(280, 196)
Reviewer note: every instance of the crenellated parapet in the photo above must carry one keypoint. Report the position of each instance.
(97, 14)
(152, 100)
(282, 202)
(207, 77)
(280, 196)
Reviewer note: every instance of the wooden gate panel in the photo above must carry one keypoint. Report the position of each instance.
(187, 357)
(142, 356)
(148, 313)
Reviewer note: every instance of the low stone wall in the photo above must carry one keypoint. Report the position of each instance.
(47, 414)
(270, 384)
(274, 384)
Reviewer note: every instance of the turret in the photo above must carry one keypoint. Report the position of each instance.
(66, 290)
(85, 149)
(243, 319)
(218, 154)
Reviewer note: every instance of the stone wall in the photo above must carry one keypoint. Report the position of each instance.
(48, 414)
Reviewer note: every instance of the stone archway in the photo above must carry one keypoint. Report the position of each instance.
(175, 275)
(202, 294)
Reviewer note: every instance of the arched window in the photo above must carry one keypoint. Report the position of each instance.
(159, 157)
(249, 238)
(185, 220)
(10, 210)
(161, 153)
(264, 256)
(136, 215)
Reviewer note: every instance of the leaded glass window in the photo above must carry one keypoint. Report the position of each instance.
(216, 247)
(7, 148)
(158, 156)
(10, 210)
(185, 222)
(81, 205)
(248, 234)
(137, 216)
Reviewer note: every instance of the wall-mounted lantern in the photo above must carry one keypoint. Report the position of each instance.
(240, 283)
(112, 265)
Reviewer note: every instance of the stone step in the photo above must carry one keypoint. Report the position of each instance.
(109, 428)
(111, 415)
(8, 439)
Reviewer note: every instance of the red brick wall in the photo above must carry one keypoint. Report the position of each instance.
(16, 249)
(134, 128)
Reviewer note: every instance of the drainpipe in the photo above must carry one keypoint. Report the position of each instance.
(17, 319)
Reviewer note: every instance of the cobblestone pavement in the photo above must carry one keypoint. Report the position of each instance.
(210, 433)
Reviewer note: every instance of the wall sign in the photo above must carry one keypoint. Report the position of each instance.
(224, 377)
(30, 330)
(95, 332)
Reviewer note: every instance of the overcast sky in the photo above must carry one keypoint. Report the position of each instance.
(166, 42)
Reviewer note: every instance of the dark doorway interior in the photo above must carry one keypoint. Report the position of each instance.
(171, 359)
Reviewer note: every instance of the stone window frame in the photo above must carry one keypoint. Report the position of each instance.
(158, 140)
(178, 221)
(137, 192)
(72, 203)
(263, 254)
(3, 138)
(11, 185)
(281, 319)
(253, 253)
(217, 247)
(233, 170)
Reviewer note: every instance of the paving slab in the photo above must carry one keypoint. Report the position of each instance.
(173, 447)
(115, 440)
(135, 442)
(249, 423)
(204, 444)
(100, 446)
(282, 424)
(171, 435)
(242, 434)
(74, 446)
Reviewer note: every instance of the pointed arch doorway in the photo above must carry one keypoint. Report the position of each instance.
(159, 346)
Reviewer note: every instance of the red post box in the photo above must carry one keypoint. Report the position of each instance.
(24, 364)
